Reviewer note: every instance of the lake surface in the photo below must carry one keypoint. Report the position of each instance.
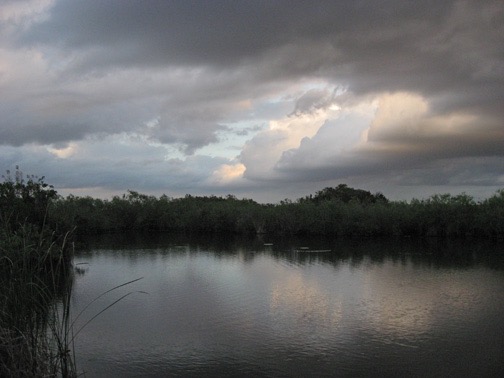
(229, 307)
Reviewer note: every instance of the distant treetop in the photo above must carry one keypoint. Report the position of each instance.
(346, 194)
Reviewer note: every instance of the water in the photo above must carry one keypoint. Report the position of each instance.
(243, 308)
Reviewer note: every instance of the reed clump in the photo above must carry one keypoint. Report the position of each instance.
(36, 277)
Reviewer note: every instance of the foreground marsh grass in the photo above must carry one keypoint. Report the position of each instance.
(36, 278)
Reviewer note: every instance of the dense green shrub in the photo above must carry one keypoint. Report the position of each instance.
(24, 200)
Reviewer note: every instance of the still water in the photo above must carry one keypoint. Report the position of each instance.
(278, 308)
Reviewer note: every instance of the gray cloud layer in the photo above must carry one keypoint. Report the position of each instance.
(182, 73)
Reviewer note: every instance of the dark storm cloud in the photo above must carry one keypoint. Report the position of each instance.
(366, 36)
(176, 32)
(428, 46)
(226, 32)
(314, 100)
(392, 45)
(63, 118)
(181, 72)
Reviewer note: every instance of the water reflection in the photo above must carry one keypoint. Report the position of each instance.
(228, 306)
(431, 252)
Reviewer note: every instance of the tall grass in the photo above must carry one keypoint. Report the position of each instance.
(36, 278)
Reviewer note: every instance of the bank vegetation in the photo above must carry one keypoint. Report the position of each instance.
(340, 212)
(36, 278)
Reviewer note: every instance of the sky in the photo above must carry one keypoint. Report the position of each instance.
(260, 99)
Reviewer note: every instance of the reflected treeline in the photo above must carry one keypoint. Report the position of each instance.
(429, 252)
(340, 211)
(433, 253)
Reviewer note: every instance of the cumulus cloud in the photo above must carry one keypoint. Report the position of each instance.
(261, 152)
(403, 135)
(227, 173)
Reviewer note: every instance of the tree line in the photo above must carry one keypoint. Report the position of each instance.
(339, 211)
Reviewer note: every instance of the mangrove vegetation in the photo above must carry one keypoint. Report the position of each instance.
(340, 212)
